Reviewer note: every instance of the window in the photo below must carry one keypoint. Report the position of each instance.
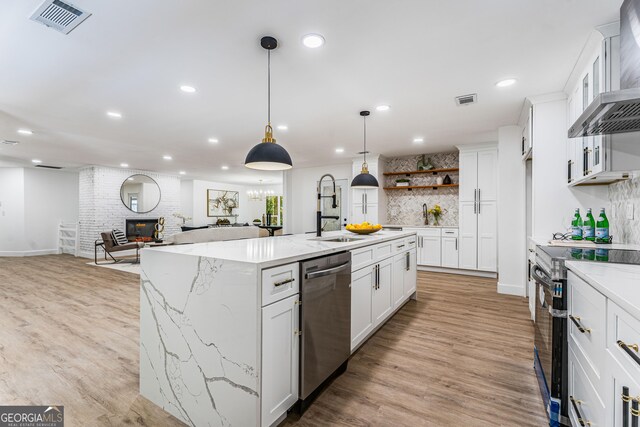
(274, 206)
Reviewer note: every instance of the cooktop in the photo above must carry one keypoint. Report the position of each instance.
(597, 254)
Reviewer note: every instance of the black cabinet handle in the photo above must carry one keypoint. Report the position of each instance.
(575, 404)
(627, 348)
(284, 282)
(576, 321)
(635, 413)
(625, 406)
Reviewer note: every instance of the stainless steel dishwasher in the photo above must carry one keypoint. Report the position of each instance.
(325, 316)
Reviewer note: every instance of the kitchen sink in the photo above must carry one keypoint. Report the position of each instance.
(341, 239)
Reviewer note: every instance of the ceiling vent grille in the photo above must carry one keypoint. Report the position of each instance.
(48, 167)
(467, 99)
(60, 16)
(8, 142)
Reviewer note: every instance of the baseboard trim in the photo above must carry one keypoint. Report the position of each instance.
(476, 273)
(508, 289)
(28, 253)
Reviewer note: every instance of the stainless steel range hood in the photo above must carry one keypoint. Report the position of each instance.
(618, 111)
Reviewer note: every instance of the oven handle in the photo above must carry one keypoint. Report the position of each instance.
(541, 277)
(328, 271)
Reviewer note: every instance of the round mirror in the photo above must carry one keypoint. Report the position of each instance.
(140, 193)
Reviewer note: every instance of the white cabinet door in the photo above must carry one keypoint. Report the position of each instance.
(449, 252)
(357, 214)
(280, 358)
(468, 175)
(488, 236)
(468, 243)
(397, 283)
(362, 283)
(410, 275)
(431, 255)
(488, 175)
(382, 303)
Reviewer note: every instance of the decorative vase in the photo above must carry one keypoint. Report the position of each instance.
(421, 163)
(447, 180)
(439, 180)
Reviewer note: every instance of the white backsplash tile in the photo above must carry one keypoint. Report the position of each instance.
(621, 195)
(405, 207)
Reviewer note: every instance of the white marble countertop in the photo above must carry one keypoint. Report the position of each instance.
(618, 282)
(419, 226)
(278, 250)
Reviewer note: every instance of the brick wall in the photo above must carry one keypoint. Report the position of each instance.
(102, 210)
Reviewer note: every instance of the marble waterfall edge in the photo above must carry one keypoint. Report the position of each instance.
(198, 338)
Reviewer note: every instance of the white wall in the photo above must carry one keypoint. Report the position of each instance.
(553, 201)
(194, 204)
(300, 186)
(511, 208)
(32, 204)
(11, 211)
(101, 208)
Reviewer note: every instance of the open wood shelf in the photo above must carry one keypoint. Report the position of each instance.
(431, 171)
(411, 187)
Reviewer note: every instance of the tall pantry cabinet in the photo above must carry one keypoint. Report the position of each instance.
(478, 210)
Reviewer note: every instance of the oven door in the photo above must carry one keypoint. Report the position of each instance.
(550, 344)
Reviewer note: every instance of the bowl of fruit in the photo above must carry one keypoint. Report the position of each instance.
(363, 228)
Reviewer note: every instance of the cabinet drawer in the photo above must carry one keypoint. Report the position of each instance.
(622, 385)
(585, 398)
(385, 250)
(411, 242)
(431, 232)
(399, 246)
(623, 338)
(280, 282)
(449, 232)
(587, 326)
(362, 257)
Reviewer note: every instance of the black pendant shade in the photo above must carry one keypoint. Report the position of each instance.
(268, 155)
(364, 179)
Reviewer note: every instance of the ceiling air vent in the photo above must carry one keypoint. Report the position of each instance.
(48, 167)
(8, 142)
(467, 99)
(60, 16)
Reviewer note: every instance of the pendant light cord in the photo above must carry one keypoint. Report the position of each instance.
(269, 87)
(364, 122)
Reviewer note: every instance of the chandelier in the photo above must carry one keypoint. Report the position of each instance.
(259, 195)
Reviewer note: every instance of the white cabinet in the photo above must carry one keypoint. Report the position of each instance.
(409, 281)
(399, 268)
(478, 215)
(365, 202)
(449, 247)
(429, 250)
(362, 283)
(381, 300)
(280, 358)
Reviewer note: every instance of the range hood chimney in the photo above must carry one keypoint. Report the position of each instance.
(618, 111)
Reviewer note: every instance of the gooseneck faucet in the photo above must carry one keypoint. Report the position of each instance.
(425, 214)
(334, 205)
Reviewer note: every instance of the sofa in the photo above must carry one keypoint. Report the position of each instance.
(216, 234)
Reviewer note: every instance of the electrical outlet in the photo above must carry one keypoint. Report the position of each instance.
(629, 210)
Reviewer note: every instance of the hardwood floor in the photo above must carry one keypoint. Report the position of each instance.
(459, 356)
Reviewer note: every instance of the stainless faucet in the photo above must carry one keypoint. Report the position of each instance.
(334, 205)
(425, 214)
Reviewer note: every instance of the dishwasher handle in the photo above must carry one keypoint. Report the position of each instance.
(328, 271)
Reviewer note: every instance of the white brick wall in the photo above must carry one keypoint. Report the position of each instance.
(102, 210)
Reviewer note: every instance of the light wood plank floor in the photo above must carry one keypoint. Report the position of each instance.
(460, 356)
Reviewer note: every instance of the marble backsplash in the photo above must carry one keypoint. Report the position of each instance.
(405, 207)
(621, 194)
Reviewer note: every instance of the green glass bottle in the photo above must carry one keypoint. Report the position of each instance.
(602, 228)
(589, 227)
(576, 226)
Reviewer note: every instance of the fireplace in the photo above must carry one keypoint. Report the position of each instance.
(141, 230)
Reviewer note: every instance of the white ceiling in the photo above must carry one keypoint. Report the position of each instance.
(415, 55)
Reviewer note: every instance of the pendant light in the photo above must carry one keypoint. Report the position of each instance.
(268, 155)
(364, 179)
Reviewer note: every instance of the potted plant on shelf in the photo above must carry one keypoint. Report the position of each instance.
(257, 221)
(402, 182)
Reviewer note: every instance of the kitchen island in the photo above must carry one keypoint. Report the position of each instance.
(219, 321)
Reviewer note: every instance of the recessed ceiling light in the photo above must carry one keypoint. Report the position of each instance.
(506, 82)
(224, 168)
(213, 140)
(25, 132)
(124, 165)
(182, 173)
(36, 161)
(283, 127)
(382, 108)
(313, 40)
(114, 114)
(187, 89)
(166, 157)
(418, 140)
(131, 178)
(339, 150)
